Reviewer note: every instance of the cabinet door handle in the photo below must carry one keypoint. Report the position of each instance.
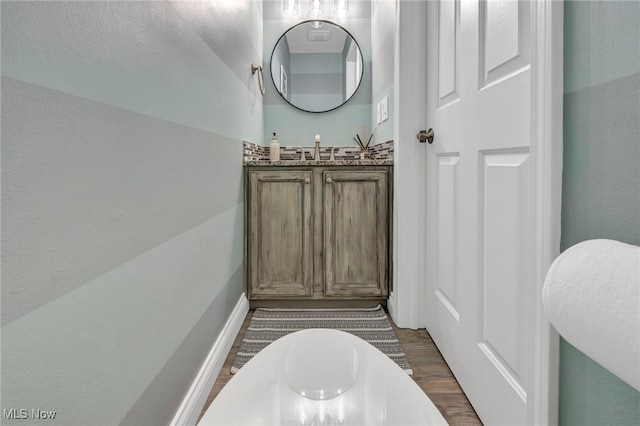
(307, 180)
(329, 180)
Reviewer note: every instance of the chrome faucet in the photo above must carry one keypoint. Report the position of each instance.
(333, 150)
(302, 157)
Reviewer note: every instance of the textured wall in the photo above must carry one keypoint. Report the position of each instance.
(122, 129)
(601, 190)
(337, 127)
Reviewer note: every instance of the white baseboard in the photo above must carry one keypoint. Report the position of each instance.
(391, 306)
(191, 407)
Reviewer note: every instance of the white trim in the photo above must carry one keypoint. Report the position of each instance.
(191, 407)
(391, 306)
(407, 307)
(546, 127)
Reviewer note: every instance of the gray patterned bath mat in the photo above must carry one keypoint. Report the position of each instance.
(370, 324)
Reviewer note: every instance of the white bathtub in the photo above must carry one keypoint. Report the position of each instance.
(321, 377)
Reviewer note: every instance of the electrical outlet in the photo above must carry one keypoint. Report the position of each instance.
(384, 108)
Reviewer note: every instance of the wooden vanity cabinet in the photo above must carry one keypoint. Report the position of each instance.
(356, 237)
(280, 228)
(317, 233)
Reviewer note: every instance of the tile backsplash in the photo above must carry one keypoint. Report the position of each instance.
(253, 152)
(381, 151)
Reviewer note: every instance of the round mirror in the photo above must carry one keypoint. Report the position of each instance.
(316, 66)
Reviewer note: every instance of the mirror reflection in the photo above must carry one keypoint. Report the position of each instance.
(316, 66)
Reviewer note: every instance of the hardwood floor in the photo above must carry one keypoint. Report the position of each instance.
(430, 372)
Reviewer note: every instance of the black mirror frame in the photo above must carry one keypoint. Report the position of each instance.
(307, 22)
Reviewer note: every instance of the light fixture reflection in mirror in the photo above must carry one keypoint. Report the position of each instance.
(341, 7)
(290, 7)
(317, 8)
(316, 69)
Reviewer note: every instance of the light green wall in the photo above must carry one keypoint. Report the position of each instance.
(383, 37)
(337, 127)
(122, 205)
(316, 81)
(601, 175)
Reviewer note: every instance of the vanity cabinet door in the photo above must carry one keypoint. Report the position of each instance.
(356, 233)
(280, 234)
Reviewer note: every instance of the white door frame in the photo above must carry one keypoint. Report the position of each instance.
(408, 299)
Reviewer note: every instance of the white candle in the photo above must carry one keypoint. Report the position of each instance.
(317, 138)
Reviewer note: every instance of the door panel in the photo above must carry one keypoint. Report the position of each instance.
(479, 200)
(504, 40)
(356, 256)
(281, 258)
(505, 185)
(448, 193)
(448, 75)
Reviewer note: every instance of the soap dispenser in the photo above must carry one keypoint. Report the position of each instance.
(274, 148)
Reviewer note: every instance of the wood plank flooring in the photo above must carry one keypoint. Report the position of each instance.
(433, 376)
(430, 372)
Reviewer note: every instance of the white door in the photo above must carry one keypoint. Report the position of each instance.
(480, 200)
